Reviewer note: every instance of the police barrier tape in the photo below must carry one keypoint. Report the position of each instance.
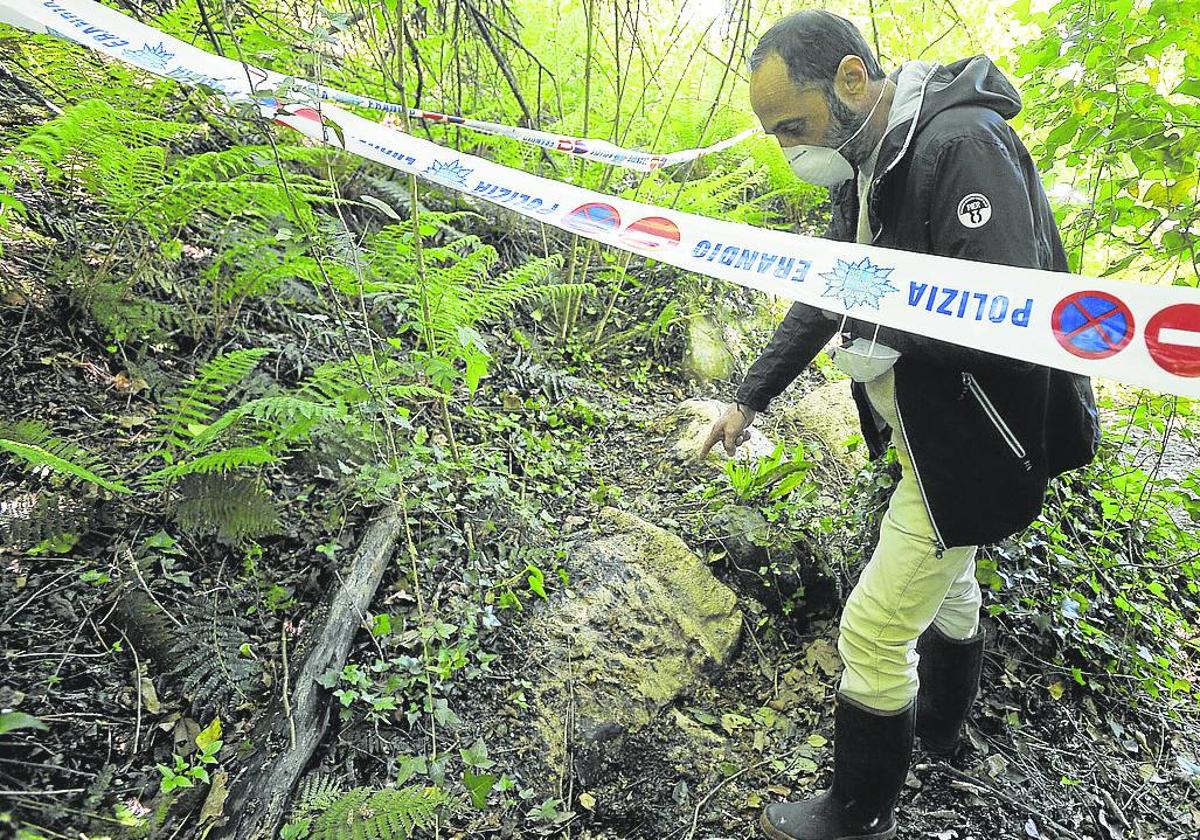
(1142, 335)
(118, 35)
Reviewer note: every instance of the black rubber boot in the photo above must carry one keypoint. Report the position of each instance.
(871, 752)
(949, 673)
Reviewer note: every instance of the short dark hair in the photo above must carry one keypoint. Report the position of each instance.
(813, 43)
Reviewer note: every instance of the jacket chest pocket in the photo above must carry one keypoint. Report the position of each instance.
(971, 385)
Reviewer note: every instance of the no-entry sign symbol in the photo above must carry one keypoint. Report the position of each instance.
(1092, 325)
(1173, 339)
(651, 232)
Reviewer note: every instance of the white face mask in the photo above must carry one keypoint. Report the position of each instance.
(864, 360)
(822, 165)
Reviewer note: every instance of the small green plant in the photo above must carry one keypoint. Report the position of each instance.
(775, 476)
(12, 721)
(1110, 572)
(184, 773)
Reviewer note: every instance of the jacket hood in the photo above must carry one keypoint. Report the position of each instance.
(924, 90)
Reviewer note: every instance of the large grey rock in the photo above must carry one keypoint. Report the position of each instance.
(707, 357)
(688, 426)
(644, 620)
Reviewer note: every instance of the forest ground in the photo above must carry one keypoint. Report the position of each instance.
(1041, 761)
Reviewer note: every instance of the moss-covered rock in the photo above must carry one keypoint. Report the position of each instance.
(643, 620)
(707, 357)
(828, 414)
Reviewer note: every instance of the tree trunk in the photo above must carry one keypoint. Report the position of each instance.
(283, 743)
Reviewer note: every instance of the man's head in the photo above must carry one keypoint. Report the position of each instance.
(813, 81)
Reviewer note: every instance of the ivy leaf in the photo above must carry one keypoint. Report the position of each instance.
(480, 785)
(10, 721)
(476, 755)
(209, 739)
(381, 626)
(537, 581)
(409, 766)
(329, 679)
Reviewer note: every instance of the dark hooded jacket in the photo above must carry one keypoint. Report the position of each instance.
(986, 432)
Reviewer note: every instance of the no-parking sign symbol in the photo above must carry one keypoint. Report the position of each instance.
(1092, 325)
(593, 217)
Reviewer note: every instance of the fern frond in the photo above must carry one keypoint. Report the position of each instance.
(194, 404)
(79, 78)
(42, 451)
(530, 375)
(221, 461)
(125, 159)
(285, 419)
(315, 794)
(95, 132)
(29, 518)
(412, 393)
(231, 507)
(347, 381)
(497, 296)
(384, 814)
(114, 309)
(724, 193)
(209, 664)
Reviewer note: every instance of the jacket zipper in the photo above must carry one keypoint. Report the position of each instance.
(907, 140)
(972, 384)
(941, 544)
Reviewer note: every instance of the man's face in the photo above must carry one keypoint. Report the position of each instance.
(800, 114)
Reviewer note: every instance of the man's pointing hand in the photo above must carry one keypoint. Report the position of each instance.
(731, 428)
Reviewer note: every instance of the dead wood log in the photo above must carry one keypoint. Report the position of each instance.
(288, 731)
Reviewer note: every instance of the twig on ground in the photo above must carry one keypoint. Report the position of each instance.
(1004, 797)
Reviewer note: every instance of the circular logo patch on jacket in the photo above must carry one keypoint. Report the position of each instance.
(974, 210)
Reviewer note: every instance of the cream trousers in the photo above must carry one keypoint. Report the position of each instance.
(903, 589)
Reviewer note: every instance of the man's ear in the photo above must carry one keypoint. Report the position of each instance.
(851, 79)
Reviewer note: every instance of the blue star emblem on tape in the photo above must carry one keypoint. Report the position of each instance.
(448, 173)
(152, 58)
(858, 283)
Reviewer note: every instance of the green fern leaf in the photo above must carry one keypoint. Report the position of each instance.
(221, 461)
(209, 665)
(234, 508)
(385, 814)
(190, 409)
(39, 449)
(30, 518)
(316, 794)
(285, 419)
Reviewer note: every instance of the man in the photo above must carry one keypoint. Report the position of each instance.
(920, 160)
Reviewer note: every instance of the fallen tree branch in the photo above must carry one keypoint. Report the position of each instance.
(288, 731)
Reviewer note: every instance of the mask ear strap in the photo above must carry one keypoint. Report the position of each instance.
(871, 113)
(874, 336)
